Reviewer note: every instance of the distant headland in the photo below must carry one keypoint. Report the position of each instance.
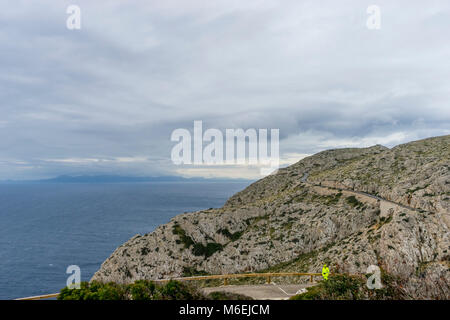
(118, 179)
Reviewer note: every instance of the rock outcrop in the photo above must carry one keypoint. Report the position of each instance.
(350, 208)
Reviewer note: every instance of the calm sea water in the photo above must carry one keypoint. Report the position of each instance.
(46, 227)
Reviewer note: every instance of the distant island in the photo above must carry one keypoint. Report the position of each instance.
(119, 179)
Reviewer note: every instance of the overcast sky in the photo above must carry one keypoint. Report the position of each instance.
(105, 99)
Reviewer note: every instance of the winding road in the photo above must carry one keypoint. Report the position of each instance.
(263, 291)
(304, 179)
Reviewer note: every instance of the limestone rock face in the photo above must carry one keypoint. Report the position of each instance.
(350, 208)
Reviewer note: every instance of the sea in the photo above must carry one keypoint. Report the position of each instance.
(46, 227)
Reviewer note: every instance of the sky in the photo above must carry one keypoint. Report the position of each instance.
(105, 98)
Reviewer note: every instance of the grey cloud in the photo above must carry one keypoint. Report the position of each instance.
(138, 70)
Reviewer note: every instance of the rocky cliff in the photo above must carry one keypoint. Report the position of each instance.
(350, 208)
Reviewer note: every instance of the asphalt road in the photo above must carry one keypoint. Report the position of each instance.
(304, 179)
(263, 291)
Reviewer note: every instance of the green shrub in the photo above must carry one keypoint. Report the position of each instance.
(346, 287)
(211, 247)
(185, 239)
(139, 290)
(353, 201)
(343, 287)
(312, 293)
(220, 295)
(142, 290)
(94, 291)
(175, 290)
(191, 271)
(232, 236)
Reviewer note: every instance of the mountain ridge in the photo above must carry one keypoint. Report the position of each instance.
(350, 208)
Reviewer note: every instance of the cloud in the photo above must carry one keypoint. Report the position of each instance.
(136, 71)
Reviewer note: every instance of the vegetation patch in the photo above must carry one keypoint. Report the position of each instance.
(139, 290)
(410, 191)
(220, 295)
(232, 236)
(299, 264)
(383, 221)
(185, 239)
(191, 271)
(211, 247)
(354, 202)
(287, 225)
(346, 287)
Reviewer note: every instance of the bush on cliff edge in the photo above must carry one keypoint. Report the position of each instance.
(352, 287)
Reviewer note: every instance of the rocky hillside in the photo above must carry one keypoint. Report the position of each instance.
(348, 207)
